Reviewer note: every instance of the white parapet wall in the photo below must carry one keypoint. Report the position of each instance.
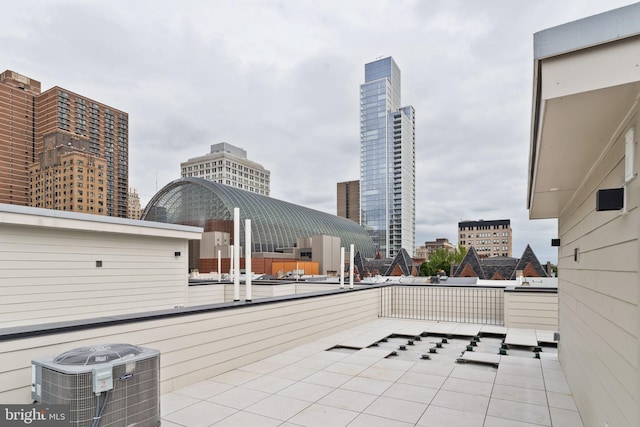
(194, 345)
(529, 308)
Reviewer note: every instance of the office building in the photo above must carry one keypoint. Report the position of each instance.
(227, 164)
(348, 197)
(67, 177)
(387, 160)
(489, 238)
(27, 116)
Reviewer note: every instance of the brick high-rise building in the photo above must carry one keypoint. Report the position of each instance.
(32, 115)
(348, 195)
(17, 136)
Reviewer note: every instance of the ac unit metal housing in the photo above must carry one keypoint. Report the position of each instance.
(133, 396)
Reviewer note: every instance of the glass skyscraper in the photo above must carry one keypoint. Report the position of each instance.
(387, 160)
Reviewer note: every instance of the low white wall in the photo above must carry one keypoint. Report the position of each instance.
(531, 310)
(198, 346)
(213, 293)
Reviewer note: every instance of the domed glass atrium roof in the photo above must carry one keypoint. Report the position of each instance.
(274, 224)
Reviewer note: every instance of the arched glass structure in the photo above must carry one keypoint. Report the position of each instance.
(275, 224)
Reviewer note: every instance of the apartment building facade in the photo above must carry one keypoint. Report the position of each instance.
(489, 238)
(28, 115)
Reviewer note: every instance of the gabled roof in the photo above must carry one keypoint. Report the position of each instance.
(529, 264)
(470, 264)
(359, 263)
(401, 265)
(500, 268)
(403, 262)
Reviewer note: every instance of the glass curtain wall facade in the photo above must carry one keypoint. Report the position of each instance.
(387, 160)
(275, 224)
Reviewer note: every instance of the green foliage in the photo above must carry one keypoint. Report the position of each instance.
(441, 260)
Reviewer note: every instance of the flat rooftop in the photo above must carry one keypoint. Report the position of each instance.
(361, 377)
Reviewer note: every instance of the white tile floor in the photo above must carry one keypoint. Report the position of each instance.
(310, 386)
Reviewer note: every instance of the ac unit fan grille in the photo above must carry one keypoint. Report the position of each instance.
(132, 401)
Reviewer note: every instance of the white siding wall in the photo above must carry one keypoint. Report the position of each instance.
(49, 274)
(200, 346)
(599, 316)
(531, 310)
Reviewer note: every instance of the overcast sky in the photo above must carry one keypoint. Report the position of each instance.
(281, 80)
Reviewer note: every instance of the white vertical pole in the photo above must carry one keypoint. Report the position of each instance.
(219, 266)
(231, 264)
(236, 254)
(342, 267)
(247, 258)
(351, 257)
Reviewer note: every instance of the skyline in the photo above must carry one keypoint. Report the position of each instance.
(190, 74)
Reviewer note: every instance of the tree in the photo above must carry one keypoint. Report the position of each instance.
(441, 260)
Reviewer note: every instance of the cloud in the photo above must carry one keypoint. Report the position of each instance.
(281, 80)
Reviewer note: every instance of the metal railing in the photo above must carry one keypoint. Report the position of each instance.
(440, 303)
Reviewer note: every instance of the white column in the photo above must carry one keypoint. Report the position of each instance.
(231, 261)
(351, 257)
(342, 267)
(247, 258)
(219, 266)
(236, 254)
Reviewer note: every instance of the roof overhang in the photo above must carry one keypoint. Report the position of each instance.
(586, 81)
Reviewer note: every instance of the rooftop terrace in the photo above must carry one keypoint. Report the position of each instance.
(353, 378)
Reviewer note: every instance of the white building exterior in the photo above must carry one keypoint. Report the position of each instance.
(227, 164)
(585, 128)
(59, 266)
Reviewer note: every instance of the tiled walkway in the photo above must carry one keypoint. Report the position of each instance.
(310, 386)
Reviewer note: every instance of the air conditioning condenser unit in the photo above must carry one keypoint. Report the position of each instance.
(105, 385)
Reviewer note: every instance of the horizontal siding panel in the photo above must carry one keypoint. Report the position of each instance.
(50, 274)
(612, 374)
(97, 297)
(532, 321)
(89, 284)
(524, 305)
(542, 314)
(622, 314)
